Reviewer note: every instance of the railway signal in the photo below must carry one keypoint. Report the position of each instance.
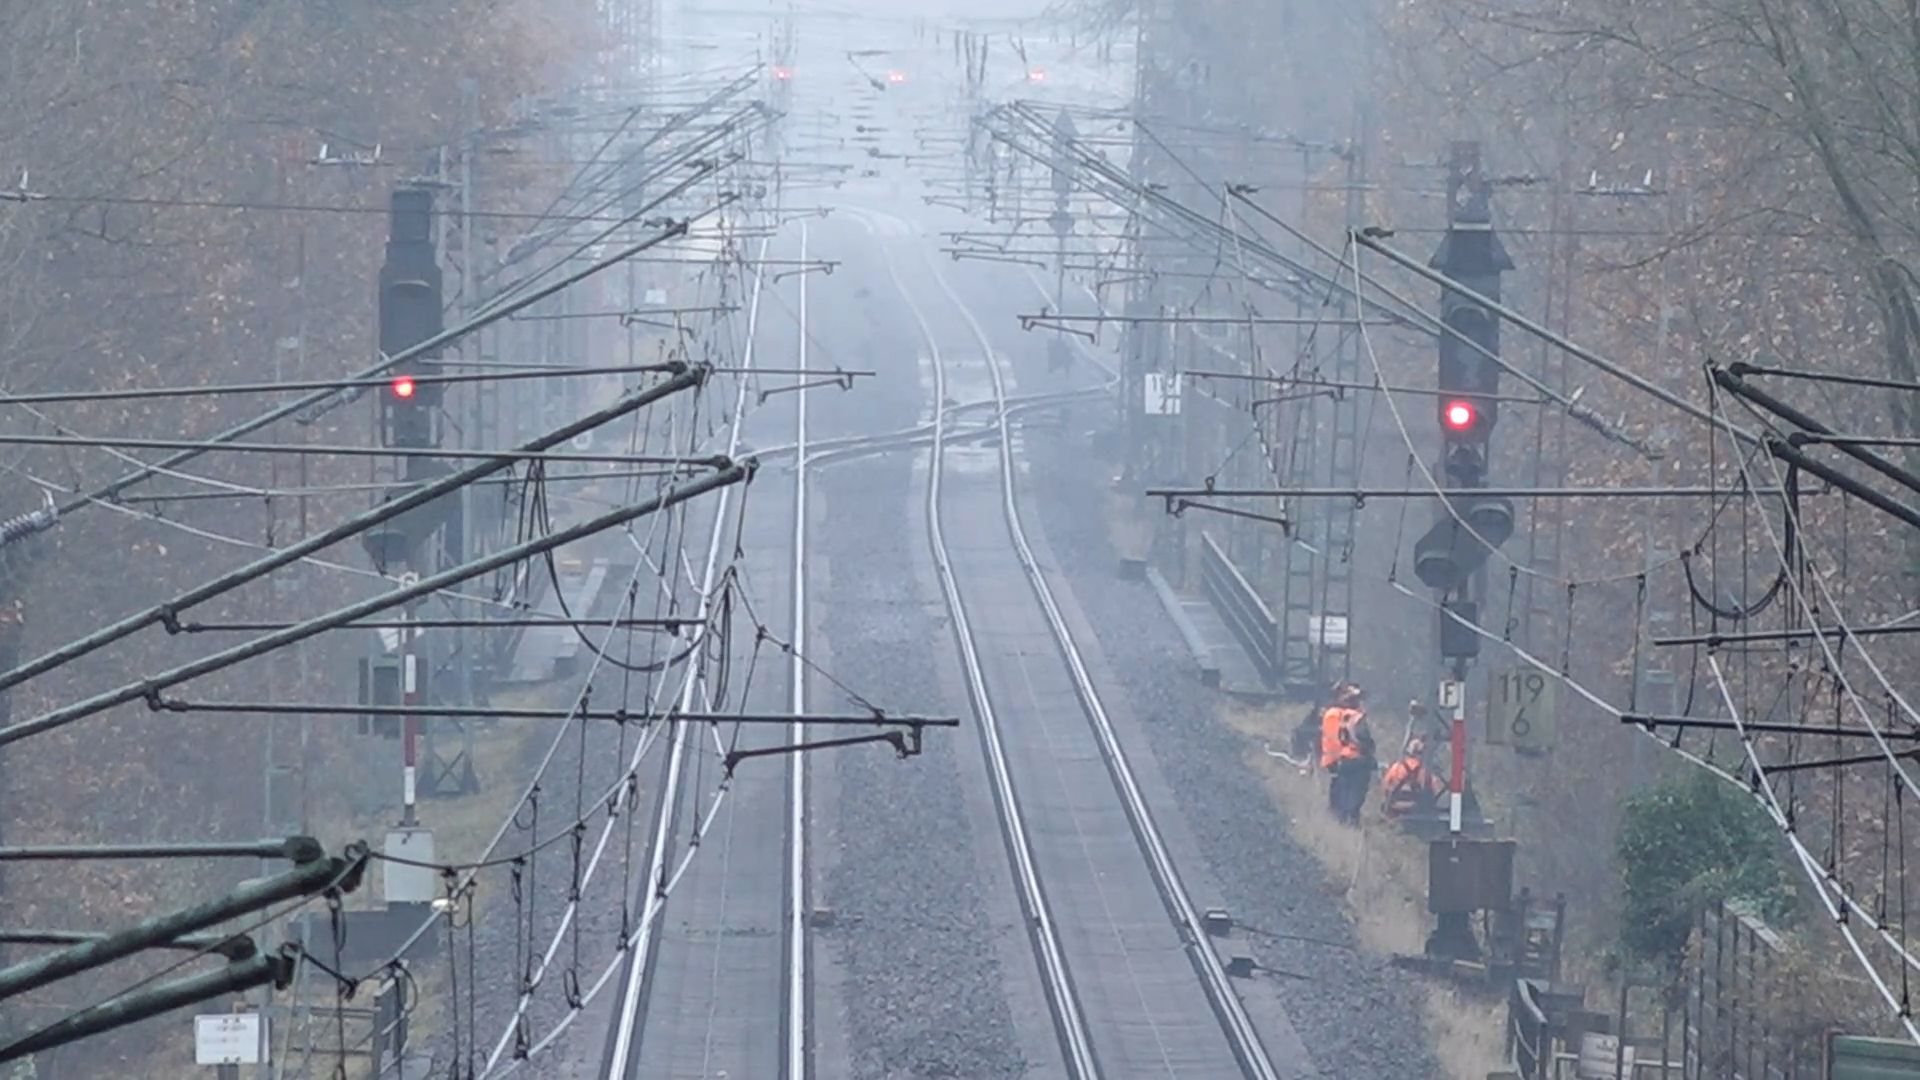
(410, 312)
(1446, 557)
(1472, 525)
(1449, 558)
(411, 305)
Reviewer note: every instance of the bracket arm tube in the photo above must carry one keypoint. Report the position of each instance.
(153, 685)
(1793, 455)
(275, 968)
(386, 363)
(246, 897)
(1734, 384)
(299, 849)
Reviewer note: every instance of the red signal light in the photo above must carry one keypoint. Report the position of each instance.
(783, 73)
(1459, 415)
(896, 76)
(1037, 75)
(403, 387)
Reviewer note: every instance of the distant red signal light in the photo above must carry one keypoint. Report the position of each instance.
(403, 387)
(783, 73)
(896, 77)
(1037, 75)
(1459, 416)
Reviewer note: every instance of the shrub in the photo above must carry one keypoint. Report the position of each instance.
(1688, 841)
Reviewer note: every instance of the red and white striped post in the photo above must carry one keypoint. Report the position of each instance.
(409, 729)
(1453, 699)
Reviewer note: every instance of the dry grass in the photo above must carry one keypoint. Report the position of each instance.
(1379, 876)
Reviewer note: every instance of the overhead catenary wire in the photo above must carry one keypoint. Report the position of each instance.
(1446, 502)
(163, 613)
(219, 390)
(1785, 551)
(1587, 356)
(338, 450)
(1809, 865)
(658, 871)
(63, 715)
(532, 787)
(253, 545)
(1404, 312)
(433, 344)
(169, 523)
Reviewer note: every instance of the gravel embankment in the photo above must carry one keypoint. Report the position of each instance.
(914, 927)
(922, 985)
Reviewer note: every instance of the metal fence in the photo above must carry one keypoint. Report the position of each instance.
(1738, 1016)
(1240, 606)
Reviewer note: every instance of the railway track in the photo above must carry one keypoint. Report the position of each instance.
(1069, 1021)
(1080, 1043)
(622, 1056)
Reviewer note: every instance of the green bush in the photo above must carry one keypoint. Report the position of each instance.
(1688, 841)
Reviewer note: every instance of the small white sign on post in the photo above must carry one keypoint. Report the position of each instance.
(1452, 697)
(412, 881)
(1601, 1058)
(1329, 630)
(230, 1039)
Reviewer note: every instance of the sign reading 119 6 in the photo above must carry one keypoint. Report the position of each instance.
(1522, 710)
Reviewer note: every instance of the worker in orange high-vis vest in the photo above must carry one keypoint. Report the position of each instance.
(1346, 752)
(1409, 786)
(1334, 722)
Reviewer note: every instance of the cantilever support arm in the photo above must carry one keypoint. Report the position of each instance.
(276, 968)
(305, 880)
(905, 743)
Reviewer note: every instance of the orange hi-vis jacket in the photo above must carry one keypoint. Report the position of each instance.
(1408, 782)
(1336, 742)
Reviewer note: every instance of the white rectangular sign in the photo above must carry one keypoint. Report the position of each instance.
(1602, 1058)
(1162, 393)
(1450, 695)
(404, 882)
(229, 1039)
(1329, 630)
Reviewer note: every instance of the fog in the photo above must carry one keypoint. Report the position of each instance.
(1092, 538)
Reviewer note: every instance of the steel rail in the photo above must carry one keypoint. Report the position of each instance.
(796, 899)
(1069, 1020)
(1234, 1020)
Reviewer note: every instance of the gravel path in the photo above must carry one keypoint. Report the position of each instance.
(922, 991)
(922, 988)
